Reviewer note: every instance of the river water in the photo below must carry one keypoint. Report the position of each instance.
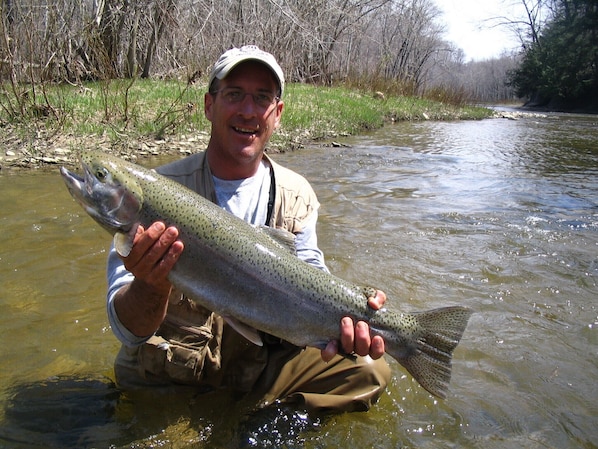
(498, 215)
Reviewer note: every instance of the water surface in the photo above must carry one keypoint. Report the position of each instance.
(498, 215)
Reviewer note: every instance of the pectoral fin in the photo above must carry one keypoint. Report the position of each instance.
(123, 242)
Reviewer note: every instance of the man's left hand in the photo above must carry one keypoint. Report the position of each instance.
(355, 337)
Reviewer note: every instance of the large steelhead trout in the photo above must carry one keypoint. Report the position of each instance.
(250, 275)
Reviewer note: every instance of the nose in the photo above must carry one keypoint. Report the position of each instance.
(246, 106)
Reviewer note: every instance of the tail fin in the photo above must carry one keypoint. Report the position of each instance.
(429, 360)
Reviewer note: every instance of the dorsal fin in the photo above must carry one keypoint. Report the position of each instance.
(281, 236)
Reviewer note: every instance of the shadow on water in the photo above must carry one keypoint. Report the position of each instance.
(61, 413)
(91, 412)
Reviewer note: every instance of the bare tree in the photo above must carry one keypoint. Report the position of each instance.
(162, 20)
(528, 23)
(409, 36)
(315, 40)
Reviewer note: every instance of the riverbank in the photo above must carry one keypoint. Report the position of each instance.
(152, 117)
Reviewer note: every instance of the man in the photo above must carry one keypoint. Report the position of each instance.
(167, 339)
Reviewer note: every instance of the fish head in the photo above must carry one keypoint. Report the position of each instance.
(107, 192)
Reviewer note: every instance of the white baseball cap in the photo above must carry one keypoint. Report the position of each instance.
(235, 56)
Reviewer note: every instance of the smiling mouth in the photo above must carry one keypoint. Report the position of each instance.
(248, 131)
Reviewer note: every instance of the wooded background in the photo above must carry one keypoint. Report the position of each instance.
(318, 41)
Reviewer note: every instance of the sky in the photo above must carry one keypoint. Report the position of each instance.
(464, 22)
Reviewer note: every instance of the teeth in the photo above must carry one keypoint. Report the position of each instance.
(245, 130)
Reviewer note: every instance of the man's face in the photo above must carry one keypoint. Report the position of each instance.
(241, 129)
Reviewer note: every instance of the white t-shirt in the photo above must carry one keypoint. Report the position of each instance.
(246, 198)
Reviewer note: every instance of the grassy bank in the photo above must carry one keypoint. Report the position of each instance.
(46, 124)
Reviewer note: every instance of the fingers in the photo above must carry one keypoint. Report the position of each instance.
(355, 338)
(144, 240)
(377, 348)
(154, 253)
(362, 339)
(347, 335)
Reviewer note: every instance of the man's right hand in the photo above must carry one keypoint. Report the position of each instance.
(141, 305)
(154, 253)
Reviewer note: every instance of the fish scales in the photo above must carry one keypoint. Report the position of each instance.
(237, 241)
(250, 275)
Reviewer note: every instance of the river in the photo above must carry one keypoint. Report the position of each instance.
(498, 215)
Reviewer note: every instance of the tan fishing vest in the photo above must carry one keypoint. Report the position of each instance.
(195, 346)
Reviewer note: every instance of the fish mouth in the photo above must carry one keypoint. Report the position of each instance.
(74, 182)
(80, 188)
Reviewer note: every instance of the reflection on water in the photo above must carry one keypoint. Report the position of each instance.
(498, 215)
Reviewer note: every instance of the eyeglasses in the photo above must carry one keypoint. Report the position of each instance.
(234, 95)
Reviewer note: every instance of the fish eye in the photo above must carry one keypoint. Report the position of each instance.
(101, 174)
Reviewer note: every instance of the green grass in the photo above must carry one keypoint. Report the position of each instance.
(316, 112)
(141, 108)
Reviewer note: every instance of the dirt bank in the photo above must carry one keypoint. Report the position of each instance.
(41, 150)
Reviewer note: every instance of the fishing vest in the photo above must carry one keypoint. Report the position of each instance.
(195, 346)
